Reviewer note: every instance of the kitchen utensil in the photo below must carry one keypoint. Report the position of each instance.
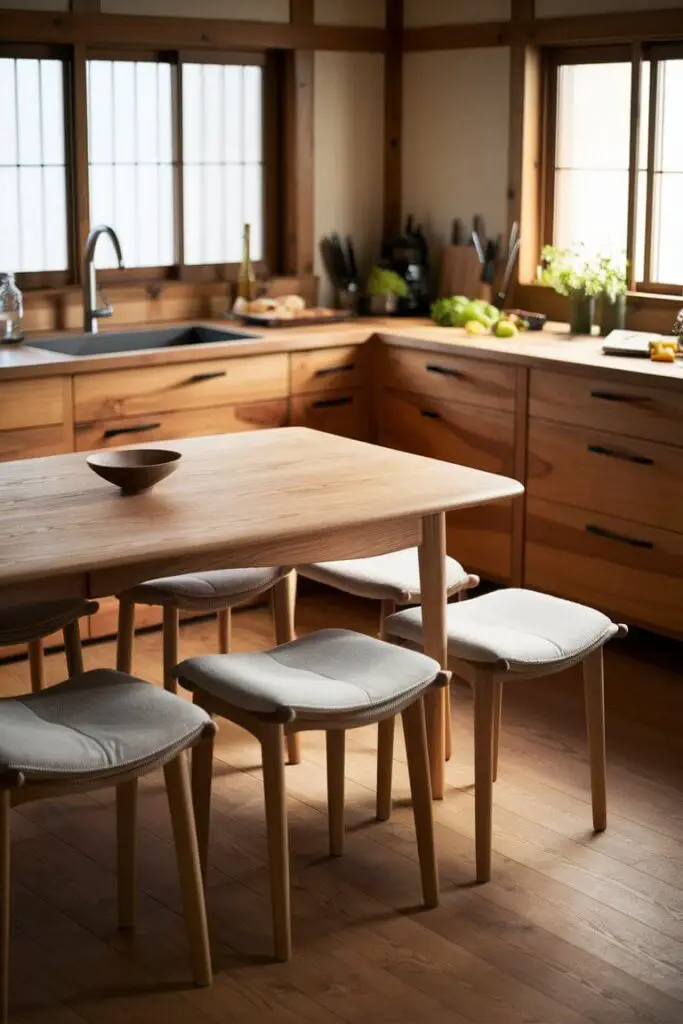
(479, 229)
(536, 321)
(457, 232)
(489, 270)
(134, 469)
(514, 237)
(476, 242)
(461, 272)
(331, 263)
(501, 296)
(351, 259)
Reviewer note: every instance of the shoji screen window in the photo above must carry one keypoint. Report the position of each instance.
(223, 180)
(34, 235)
(131, 159)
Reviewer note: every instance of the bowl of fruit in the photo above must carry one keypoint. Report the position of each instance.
(477, 317)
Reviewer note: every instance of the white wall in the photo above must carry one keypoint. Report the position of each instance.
(350, 12)
(451, 12)
(243, 10)
(560, 8)
(349, 150)
(455, 139)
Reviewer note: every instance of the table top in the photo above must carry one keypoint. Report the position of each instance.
(231, 493)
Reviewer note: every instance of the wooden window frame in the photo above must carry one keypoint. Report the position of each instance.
(635, 54)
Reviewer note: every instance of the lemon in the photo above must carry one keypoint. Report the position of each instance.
(475, 327)
(506, 329)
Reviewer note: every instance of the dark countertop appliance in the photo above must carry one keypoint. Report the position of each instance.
(407, 255)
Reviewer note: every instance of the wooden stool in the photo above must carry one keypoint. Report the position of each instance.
(394, 580)
(31, 623)
(333, 680)
(218, 591)
(520, 634)
(100, 729)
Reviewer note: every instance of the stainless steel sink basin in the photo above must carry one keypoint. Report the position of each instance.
(136, 341)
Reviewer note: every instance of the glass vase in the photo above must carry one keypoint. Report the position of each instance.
(582, 313)
(612, 314)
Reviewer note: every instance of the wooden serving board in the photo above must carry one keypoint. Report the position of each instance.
(265, 320)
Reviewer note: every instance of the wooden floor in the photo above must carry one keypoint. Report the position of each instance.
(573, 927)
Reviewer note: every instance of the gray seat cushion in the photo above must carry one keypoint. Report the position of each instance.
(391, 577)
(523, 628)
(326, 674)
(206, 590)
(97, 723)
(25, 622)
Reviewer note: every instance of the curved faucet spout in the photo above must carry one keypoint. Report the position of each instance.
(91, 312)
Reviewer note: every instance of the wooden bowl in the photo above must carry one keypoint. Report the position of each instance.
(136, 469)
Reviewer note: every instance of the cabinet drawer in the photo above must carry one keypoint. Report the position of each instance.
(481, 538)
(33, 403)
(153, 389)
(641, 480)
(327, 369)
(629, 410)
(632, 571)
(341, 412)
(441, 375)
(33, 442)
(227, 419)
(481, 438)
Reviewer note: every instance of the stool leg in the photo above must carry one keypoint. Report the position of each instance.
(594, 689)
(385, 765)
(126, 634)
(72, 646)
(432, 558)
(4, 903)
(448, 737)
(336, 756)
(272, 746)
(497, 714)
(36, 665)
(202, 771)
(483, 771)
(126, 851)
(182, 819)
(415, 733)
(224, 630)
(283, 601)
(170, 629)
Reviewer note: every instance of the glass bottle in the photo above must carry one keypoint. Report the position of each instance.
(246, 278)
(11, 309)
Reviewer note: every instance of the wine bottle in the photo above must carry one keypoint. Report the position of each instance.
(246, 278)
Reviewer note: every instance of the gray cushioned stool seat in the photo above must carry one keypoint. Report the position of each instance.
(522, 628)
(93, 724)
(33, 621)
(334, 672)
(391, 577)
(209, 590)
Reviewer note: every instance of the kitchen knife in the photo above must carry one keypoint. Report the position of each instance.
(479, 228)
(457, 232)
(351, 260)
(501, 296)
(477, 245)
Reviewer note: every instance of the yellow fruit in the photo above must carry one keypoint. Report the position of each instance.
(474, 327)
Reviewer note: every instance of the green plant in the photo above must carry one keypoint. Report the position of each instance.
(386, 282)
(569, 271)
(611, 274)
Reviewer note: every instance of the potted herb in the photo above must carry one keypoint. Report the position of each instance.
(385, 288)
(570, 272)
(611, 275)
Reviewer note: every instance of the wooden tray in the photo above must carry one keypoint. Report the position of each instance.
(266, 320)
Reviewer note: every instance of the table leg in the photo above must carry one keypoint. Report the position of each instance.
(433, 586)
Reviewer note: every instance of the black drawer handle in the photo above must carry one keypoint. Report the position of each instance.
(197, 378)
(610, 396)
(137, 428)
(330, 403)
(613, 453)
(343, 368)
(600, 531)
(446, 371)
(430, 414)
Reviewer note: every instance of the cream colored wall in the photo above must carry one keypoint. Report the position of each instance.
(350, 12)
(349, 150)
(244, 10)
(451, 12)
(455, 139)
(559, 8)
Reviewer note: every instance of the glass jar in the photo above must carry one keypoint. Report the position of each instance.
(11, 309)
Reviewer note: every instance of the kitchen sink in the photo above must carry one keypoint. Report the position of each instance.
(136, 341)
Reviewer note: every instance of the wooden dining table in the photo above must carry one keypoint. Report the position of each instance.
(288, 496)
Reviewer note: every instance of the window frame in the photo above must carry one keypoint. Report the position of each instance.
(635, 54)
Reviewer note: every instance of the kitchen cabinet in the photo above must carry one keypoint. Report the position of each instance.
(335, 412)
(328, 390)
(35, 418)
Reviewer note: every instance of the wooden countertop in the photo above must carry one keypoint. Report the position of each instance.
(551, 349)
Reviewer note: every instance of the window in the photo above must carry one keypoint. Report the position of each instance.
(593, 195)
(222, 161)
(131, 159)
(34, 235)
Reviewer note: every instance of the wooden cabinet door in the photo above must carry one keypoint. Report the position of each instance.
(454, 378)
(327, 369)
(341, 412)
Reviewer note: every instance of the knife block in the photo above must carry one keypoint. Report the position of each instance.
(461, 274)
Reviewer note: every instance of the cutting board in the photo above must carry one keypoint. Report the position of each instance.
(461, 273)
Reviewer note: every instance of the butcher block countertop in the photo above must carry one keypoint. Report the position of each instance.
(549, 349)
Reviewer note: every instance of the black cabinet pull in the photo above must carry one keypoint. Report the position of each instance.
(613, 453)
(137, 428)
(196, 378)
(635, 542)
(610, 396)
(446, 371)
(343, 368)
(430, 414)
(329, 403)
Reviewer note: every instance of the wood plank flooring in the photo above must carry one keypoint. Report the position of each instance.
(572, 929)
